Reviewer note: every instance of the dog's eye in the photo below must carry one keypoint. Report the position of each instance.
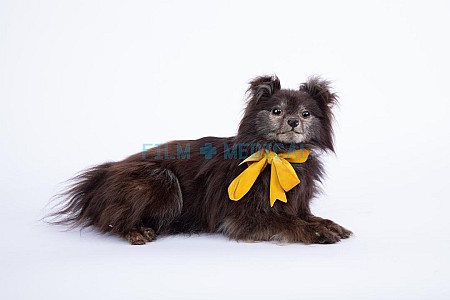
(276, 111)
(306, 114)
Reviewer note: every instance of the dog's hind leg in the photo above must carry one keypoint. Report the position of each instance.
(150, 202)
(140, 235)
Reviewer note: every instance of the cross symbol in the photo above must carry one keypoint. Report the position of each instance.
(208, 150)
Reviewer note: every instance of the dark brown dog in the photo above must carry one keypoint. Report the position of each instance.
(181, 186)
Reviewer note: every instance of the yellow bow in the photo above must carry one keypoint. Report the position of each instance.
(282, 174)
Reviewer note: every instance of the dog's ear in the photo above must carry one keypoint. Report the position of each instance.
(319, 89)
(263, 86)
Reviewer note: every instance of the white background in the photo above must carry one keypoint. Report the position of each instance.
(83, 82)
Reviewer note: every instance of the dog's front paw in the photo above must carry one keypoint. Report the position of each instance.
(308, 233)
(338, 229)
(342, 232)
(319, 234)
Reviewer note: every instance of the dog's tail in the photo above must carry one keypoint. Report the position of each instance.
(72, 210)
(119, 196)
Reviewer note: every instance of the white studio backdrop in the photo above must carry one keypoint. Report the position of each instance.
(83, 82)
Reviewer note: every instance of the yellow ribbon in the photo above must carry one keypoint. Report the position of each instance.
(282, 175)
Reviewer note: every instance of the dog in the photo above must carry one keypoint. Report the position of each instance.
(255, 186)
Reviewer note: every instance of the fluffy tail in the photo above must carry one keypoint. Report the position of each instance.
(121, 196)
(72, 210)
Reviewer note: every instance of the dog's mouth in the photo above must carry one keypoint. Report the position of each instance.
(291, 136)
(292, 131)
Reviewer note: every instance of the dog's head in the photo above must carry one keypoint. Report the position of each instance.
(285, 116)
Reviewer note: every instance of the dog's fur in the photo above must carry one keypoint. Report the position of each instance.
(161, 192)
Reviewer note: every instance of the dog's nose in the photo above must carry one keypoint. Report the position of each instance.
(293, 122)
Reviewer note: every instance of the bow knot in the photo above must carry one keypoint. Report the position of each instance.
(271, 156)
(282, 175)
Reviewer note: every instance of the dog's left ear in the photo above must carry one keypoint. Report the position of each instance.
(263, 86)
(319, 89)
